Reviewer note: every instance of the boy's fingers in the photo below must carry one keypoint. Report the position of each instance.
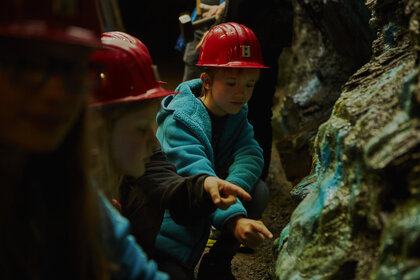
(262, 229)
(214, 194)
(223, 193)
(241, 193)
(225, 203)
(229, 200)
(234, 189)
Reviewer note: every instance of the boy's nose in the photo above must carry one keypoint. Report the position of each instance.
(239, 91)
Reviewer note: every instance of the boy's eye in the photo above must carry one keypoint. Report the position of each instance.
(231, 84)
(250, 85)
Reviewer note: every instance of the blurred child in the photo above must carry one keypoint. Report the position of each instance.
(53, 224)
(204, 129)
(205, 9)
(126, 101)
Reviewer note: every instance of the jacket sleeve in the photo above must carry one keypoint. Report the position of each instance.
(245, 171)
(220, 217)
(183, 148)
(248, 160)
(121, 248)
(183, 196)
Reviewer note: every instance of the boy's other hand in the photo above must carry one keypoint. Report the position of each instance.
(222, 193)
(248, 231)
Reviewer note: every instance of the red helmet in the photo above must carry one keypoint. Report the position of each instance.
(68, 21)
(128, 73)
(231, 45)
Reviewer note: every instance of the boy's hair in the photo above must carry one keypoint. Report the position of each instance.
(211, 72)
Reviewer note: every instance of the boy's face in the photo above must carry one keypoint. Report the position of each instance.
(229, 90)
(133, 139)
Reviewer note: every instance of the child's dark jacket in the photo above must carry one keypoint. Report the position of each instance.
(144, 199)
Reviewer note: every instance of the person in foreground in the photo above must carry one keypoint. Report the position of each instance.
(139, 180)
(204, 129)
(53, 223)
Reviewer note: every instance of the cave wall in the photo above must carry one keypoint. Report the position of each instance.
(331, 41)
(359, 210)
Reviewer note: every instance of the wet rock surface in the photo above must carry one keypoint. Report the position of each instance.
(358, 213)
(332, 39)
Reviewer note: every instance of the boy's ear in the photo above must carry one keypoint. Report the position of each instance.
(206, 79)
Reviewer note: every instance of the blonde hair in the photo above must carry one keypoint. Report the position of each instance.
(104, 168)
(211, 73)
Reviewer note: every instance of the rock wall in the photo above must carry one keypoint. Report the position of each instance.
(359, 215)
(331, 41)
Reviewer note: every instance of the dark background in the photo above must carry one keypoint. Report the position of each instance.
(155, 23)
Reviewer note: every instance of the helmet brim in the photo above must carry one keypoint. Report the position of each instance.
(73, 35)
(235, 64)
(150, 94)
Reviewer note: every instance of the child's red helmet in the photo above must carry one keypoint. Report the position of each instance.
(68, 21)
(126, 72)
(231, 45)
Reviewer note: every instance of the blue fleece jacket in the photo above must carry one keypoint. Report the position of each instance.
(121, 248)
(184, 131)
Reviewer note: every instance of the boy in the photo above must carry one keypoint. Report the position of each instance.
(204, 129)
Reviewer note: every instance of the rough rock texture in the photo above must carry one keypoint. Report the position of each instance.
(332, 39)
(360, 218)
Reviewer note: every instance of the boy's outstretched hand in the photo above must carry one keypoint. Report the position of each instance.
(248, 231)
(222, 193)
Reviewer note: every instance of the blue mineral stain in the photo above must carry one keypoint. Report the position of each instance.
(333, 180)
(324, 188)
(284, 235)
